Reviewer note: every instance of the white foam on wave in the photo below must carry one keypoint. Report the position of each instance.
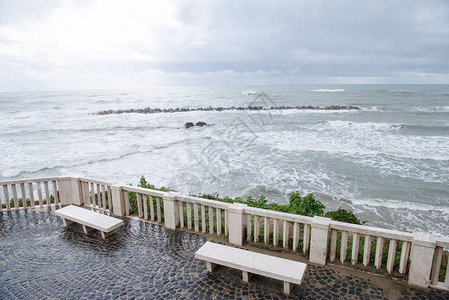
(399, 205)
(433, 109)
(10, 172)
(329, 149)
(338, 124)
(327, 90)
(372, 108)
(359, 140)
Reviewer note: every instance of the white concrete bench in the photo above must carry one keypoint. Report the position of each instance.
(89, 219)
(290, 272)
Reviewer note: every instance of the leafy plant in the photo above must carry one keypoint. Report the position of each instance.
(306, 206)
(343, 215)
(144, 184)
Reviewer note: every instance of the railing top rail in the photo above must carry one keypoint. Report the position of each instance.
(19, 181)
(373, 231)
(207, 202)
(442, 242)
(145, 191)
(97, 181)
(278, 215)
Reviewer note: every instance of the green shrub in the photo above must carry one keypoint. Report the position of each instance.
(343, 215)
(144, 184)
(133, 197)
(306, 206)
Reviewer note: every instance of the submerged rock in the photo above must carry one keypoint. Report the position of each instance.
(199, 124)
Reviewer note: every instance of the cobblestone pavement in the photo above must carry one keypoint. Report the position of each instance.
(40, 259)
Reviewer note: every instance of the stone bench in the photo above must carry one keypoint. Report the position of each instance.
(290, 272)
(89, 219)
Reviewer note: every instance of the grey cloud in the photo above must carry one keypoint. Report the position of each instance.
(282, 41)
(328, 32)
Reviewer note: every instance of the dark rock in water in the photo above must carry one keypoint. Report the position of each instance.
(189, 124)
(201, 124)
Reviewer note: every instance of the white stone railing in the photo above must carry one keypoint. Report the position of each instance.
(194, 212)
(290, 225)
(38, 192)
(149, 202)
(422, 256)
(96, 194)
(436, 281)
(343, 231)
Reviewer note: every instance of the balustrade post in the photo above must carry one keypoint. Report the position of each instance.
(236, 223)
(70, 191)
(171, 211)
(118, 200)
(319, 240)
(423, 250)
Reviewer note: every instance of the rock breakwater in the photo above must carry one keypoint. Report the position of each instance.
(149, 110)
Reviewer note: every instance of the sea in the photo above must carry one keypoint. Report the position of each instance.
(387, 162)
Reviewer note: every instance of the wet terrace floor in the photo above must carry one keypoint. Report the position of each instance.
(40, 259)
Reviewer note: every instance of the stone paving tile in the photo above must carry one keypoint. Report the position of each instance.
(40, 259)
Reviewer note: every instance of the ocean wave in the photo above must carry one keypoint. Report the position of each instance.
(94, 129)
(433, 109)
(426, 128)
(368, 126)
(372, 108)
(397, 204)
(362, 153)
(321, 148)
(327, 90)
(402, 92)
(363, 126)
(360, 140)
(58, 162)
(368, 203)
(15, 172)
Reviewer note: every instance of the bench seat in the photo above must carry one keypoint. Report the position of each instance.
(88, 219)
(290, 272)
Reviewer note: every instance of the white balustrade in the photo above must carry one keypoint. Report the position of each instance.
(437, 280)
(212, 219)
(292, 226)
(149, 203)
(96, 194)
(21, 194)
(398, 244)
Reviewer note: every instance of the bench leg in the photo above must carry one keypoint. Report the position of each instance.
(287, 287)
(246, 276)
(86, 229)
(104, 235)
(66, 222)
(210, 267)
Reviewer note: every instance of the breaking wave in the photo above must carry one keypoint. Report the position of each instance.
(328, 90)
(363, 126)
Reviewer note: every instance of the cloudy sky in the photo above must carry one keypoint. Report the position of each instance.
(81, 44)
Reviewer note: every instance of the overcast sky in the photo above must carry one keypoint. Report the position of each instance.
(83, 44)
